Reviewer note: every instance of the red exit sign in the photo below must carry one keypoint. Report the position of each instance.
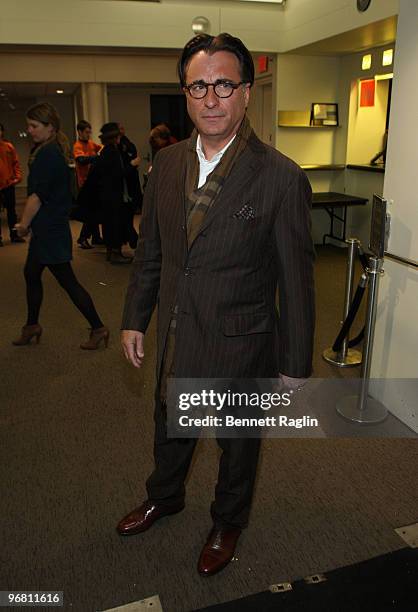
(263, 63)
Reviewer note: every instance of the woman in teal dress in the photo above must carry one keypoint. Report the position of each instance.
(46, 217)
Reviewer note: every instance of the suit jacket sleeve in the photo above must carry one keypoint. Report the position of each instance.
(144, 284)
(295, 257)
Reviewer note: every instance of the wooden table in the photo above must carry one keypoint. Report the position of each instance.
(330, 201)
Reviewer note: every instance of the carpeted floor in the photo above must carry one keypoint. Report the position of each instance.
(76, 446)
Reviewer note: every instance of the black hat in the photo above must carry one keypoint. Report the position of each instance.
(110, 128)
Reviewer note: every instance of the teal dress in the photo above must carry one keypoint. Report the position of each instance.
(50, 178)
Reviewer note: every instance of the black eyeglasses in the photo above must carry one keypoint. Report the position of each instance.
(223, 89)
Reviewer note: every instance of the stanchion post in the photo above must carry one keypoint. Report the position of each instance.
(353, 246)
(346, 358)
(362, 408)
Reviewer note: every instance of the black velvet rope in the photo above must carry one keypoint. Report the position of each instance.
(346, 326)
(364, 259)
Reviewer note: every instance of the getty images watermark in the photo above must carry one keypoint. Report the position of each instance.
(231, 401)
(235, 408)
(241, 408)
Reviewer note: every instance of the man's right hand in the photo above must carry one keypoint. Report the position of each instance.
(133, 346)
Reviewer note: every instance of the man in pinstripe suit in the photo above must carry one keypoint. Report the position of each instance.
(226, 222)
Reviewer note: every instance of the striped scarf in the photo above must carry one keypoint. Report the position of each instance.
(198, 201)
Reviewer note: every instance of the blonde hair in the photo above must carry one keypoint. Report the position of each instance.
(47, 114)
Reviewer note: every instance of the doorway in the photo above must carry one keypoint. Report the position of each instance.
(171, 110)
(260, 110)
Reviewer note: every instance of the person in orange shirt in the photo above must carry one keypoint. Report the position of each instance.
(10, 175)
(85, 153)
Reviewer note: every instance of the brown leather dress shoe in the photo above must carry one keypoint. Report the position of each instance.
(218, 550)
(143, 517)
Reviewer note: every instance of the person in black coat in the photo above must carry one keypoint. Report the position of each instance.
(109, 176)
(131, 161)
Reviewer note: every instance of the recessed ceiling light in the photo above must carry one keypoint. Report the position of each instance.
(387, 57)
(366, 62)
(60, 91)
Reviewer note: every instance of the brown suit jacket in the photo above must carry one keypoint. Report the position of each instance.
(254, 240)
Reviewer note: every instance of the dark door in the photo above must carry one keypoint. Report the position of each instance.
(171, 110)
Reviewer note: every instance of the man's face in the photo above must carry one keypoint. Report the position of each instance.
(216, 118)
(84, 135)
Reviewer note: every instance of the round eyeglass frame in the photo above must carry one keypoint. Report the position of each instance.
(233, 86)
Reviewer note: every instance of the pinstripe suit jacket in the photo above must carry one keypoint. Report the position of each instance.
(225, 283)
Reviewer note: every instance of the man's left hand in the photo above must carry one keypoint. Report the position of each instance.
(294, 384)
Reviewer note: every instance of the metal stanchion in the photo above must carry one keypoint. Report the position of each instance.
(346, 357)
(362, 408)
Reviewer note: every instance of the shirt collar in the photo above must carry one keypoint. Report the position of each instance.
(218, 155)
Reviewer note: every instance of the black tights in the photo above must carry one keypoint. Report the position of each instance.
(64, 274)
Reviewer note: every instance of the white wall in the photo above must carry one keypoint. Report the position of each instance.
(396, 341)
(44, 67)
(367, 125)
(263, 27)
(312, 20)
(350, 72)
(364, 185)
(129, 24)
(349, 143)
(302, 80)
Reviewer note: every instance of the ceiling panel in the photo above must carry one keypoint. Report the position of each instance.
(35, 90)
(375, 34)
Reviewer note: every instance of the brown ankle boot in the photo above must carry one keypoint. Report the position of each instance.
(96, 336)
(117, 257)
(29, 332)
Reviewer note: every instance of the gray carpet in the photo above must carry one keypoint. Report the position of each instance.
(76, 446)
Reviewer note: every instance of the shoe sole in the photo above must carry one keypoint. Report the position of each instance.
(137, 531)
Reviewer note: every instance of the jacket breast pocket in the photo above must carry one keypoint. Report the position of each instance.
(247, 323)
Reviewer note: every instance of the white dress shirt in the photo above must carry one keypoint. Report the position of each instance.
(205, 166)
